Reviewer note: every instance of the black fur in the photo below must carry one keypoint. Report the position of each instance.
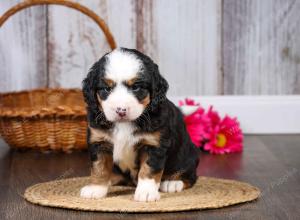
(176, 153)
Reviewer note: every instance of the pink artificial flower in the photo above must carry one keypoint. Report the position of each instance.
(189, 102)
(206, 128)
(195, 120)
(225, 137)
(213, 116)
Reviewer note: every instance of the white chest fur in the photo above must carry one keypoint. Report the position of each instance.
(124, 142)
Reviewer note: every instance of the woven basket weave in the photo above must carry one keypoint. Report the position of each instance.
(46, 119)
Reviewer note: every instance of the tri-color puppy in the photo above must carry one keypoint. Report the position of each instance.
(136, 135)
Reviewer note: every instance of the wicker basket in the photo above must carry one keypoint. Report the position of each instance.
(46, 119)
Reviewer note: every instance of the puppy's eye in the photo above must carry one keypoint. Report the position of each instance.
(135, 88)
(106, 89)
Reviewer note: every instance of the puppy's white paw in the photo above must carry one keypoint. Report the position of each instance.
(93, 191)
(146, 191)
(171, 186)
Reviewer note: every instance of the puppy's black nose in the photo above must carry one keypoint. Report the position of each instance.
(121, 111)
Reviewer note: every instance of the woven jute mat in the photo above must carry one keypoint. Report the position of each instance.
(207, 193)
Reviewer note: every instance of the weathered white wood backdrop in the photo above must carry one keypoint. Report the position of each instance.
(261, 46)
(23, 49)
(203, 47)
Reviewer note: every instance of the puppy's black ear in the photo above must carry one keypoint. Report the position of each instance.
(159, 87)
(89, 89)
(89, 86)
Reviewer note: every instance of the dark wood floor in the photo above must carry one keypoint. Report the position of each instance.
(271, 163)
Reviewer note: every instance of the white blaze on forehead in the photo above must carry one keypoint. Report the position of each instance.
(122, 65)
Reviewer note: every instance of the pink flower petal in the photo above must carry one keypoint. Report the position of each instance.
(202, 125)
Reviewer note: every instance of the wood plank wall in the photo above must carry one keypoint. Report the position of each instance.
(203, 47)
(261, 46)
(23, 49)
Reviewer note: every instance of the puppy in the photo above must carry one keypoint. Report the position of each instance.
(136, 136)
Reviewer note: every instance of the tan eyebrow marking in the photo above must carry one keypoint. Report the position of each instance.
(109, 82)
(130, 82)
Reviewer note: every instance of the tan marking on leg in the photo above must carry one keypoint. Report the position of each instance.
(115, 179)
(148, 182)
(102, 169)
(100, 175)
(146, 171)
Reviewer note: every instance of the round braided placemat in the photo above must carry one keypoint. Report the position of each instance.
(207, 193)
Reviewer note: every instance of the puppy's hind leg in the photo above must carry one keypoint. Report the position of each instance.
(171, 186)
(177, 182)
(173, 183)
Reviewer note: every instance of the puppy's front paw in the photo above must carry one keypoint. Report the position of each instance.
(146, 191)
(171, 186)
(93, 191)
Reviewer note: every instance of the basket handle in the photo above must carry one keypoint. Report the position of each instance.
(28, 3)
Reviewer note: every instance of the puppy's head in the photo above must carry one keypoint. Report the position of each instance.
(123, 84)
